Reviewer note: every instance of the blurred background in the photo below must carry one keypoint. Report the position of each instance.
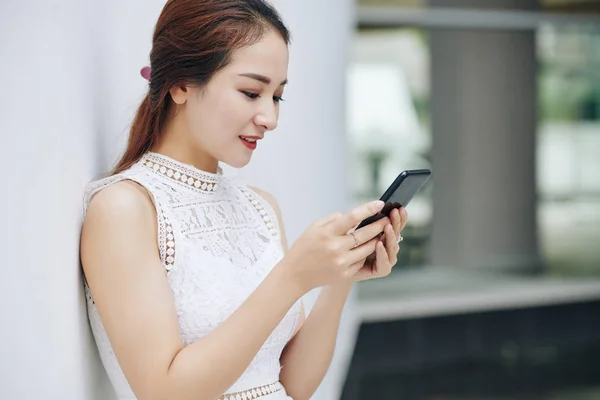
(496, 293)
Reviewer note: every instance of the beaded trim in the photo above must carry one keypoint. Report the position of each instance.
(170, 243)
(181, 173)
(261, 210)
(254, 392)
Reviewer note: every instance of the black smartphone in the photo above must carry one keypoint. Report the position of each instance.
(400, 193)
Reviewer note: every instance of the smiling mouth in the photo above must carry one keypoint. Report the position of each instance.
(249, 142)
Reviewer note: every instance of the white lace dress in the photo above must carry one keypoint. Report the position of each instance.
(218, 240)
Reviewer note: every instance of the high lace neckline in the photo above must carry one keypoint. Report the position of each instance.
(185, 174)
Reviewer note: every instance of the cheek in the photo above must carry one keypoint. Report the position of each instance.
(221, 118)
(233, 113)
(205, 117)
(196, 119)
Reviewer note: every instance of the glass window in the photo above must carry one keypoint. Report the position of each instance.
(568, 159)
(388, 122)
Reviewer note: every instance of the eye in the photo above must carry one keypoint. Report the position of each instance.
(251, 95)
(276, 99)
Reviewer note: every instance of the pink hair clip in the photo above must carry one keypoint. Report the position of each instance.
(145, 72)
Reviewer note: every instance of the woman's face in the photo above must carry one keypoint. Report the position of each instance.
(228, 117)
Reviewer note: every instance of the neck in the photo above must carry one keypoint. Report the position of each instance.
(175, 144)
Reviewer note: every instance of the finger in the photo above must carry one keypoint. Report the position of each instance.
(381, 261)
(367, 233)
(396, 222)
(391, 245)
(355, 216)
(403, 218)
(362, 251)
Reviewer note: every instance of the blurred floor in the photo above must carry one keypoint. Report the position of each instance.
(461, 334)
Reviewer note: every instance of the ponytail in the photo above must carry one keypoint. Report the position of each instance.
(142, 135)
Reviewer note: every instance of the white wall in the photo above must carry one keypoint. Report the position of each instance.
(124, 41)
(70, 81)
(47, 138)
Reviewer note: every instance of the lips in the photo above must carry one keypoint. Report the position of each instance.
(250, 141)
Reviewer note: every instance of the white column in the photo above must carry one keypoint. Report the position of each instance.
(304, 162)
(484, 117)
(48, 137)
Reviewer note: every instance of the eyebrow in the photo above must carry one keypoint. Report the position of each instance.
(262, 78)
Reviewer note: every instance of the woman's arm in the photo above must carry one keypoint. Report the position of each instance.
(307, 356)
(123, 269)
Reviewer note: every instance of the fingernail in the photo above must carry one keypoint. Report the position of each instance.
(379, 205)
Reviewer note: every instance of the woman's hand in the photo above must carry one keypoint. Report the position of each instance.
(328, 252)
(381, 262)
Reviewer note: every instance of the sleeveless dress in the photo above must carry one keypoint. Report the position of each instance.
(218, 240)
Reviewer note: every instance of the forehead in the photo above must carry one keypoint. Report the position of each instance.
(269, 56)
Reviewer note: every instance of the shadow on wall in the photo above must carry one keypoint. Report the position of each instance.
(96, 380)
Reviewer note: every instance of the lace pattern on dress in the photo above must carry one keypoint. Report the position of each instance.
(181, 173)
(269, 219)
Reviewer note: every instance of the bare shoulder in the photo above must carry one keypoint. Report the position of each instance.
(121, 212)
(121, 198)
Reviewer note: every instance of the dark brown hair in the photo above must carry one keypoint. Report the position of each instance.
(193, 39)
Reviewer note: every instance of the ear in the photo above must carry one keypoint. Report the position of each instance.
(179, 94)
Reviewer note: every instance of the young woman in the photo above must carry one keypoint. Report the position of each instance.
(192, 293)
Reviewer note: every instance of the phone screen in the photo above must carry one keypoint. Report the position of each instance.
(409, 186)
(400, 193)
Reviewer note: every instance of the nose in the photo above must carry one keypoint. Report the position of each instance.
(268, 116)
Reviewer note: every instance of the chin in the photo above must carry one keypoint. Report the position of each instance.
(238, 162)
